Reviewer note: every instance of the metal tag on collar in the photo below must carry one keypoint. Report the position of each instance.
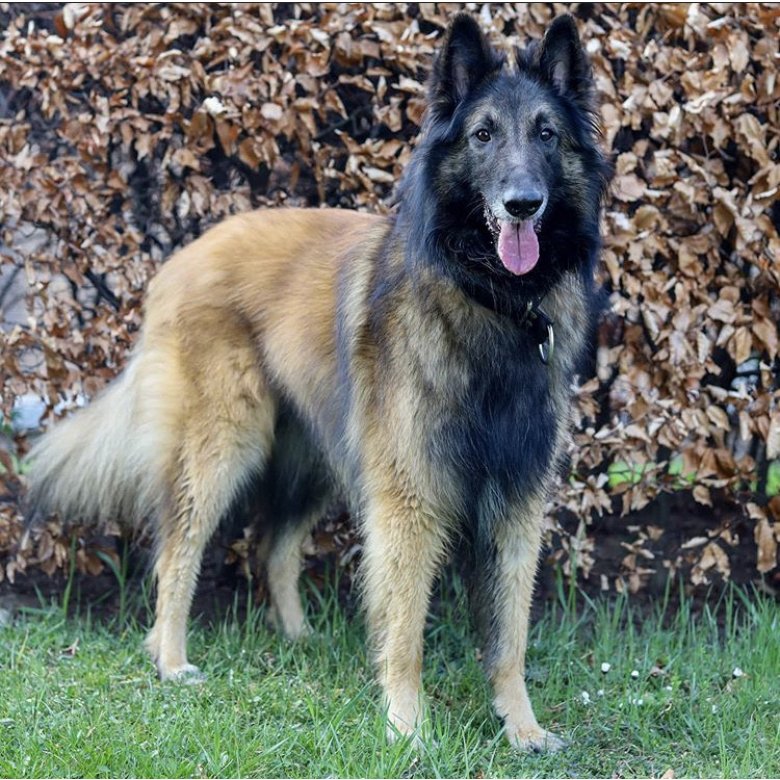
(546, 348)
(542, 332)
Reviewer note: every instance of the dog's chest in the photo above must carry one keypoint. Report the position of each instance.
(502, 426)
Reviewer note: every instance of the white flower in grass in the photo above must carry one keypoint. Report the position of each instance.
(605, 667)
(635, 674)
(585, 696)
(737, 673)
(600, 692)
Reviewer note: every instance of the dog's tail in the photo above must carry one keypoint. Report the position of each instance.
(103, 463)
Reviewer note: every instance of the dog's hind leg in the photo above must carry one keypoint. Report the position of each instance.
(283, 569)
(227, 433)
(295, 491)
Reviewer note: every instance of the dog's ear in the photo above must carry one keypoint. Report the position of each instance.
(465, 59)
(563, 63)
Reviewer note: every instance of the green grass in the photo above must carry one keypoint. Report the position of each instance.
(79, 698)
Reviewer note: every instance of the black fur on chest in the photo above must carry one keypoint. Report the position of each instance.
(502, 432)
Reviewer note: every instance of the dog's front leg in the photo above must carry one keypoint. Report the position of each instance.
(404, 546)
(517, 543)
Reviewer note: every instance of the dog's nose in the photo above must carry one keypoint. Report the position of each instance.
(524, 205)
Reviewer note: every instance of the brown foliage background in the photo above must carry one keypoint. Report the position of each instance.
(127, 131)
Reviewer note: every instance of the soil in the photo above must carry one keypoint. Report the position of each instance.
(223, 585)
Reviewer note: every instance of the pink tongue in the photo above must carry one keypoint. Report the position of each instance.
(518, 246)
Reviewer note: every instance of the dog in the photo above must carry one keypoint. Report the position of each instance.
(419, 364)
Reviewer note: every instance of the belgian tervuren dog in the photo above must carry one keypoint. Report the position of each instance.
(419, 364)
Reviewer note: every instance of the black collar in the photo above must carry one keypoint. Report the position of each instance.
(533, 319)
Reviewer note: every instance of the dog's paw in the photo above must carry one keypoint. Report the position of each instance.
(411, 725)
(291, 627)
(297, 631)
(412, 736)
(183, 675)
(535, 740)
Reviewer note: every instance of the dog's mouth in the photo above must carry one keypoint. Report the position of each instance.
(517, 244)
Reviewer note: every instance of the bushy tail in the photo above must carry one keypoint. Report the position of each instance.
(100, 464)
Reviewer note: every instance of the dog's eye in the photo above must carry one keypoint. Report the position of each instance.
(547, 134)
(482, 135)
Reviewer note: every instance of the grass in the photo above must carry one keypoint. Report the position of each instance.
(80, 698)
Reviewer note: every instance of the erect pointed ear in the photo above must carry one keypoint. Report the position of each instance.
(464, 60)
(564, 64)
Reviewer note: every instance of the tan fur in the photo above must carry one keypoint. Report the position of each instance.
(243, 313)
(405, 546)
(518, 551)
(191, 418)
(283, 566)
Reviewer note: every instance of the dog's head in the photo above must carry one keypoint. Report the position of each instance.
(512, 148)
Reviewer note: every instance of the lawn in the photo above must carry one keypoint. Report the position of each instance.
(698, 695)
